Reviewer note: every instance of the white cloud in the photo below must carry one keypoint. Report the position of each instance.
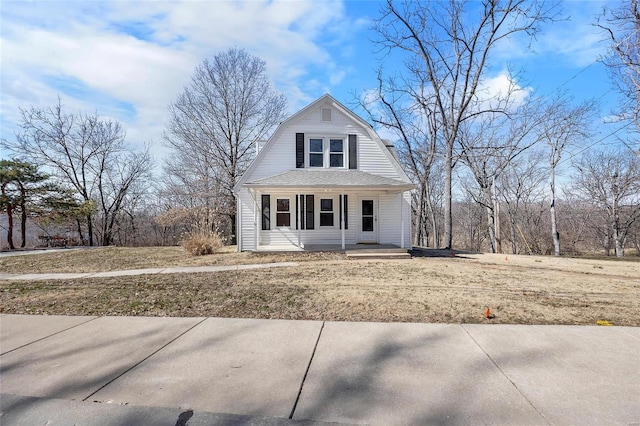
(130, 59)
(571, 40)
(502, 90)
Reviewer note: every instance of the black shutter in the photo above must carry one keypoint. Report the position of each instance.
(300, 210)
(309, 211)
(266, 212)
(344, 211)
(353, 151)
(299, 150)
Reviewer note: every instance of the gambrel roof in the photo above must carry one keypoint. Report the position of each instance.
(288, 179)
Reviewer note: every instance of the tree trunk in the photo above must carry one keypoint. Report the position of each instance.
(496, 221)
(23, 224)
(490, 229)
(514, 244)
(554, 224)
(90, 229)
(10, 228)
(606, 246)
(80, 231)
(435, 234)
(619, 242)
(234, 239)
(448, 218)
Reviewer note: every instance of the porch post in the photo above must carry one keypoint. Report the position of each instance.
(401, 220)
(298, 205)
(343, 207)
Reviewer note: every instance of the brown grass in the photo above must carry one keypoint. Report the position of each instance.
(518, 289)
(100, 259)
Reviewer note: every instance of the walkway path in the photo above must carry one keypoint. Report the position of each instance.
(174, 270)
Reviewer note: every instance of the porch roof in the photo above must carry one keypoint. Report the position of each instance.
(330, 178)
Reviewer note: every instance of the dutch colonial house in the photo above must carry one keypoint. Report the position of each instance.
(324, 178)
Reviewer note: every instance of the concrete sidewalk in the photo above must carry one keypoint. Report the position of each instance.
(191, 371)
(147, 271)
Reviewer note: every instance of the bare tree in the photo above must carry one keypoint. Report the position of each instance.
(488, 144)
(120, 176)
(214, 123)
(622, 26)
(564, 125)
(83, 151)
(470, 225)
(415, 127)
(521, 186)
(448, 45)
(610, 181)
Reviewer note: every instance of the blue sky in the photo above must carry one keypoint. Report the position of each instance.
(129, 59)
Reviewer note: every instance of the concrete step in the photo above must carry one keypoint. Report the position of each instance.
(377, 254)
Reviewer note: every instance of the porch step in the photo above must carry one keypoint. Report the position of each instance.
(378, 254)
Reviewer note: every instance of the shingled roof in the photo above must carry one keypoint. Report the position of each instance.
(324, 178)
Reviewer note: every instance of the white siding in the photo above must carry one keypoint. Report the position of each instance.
(280, 157)
(281, 154)
(389, 220)
(246, 225)
(284, 237)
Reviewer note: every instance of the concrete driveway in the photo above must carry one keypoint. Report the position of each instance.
(189, 371)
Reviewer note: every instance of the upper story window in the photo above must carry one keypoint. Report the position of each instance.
(327, 152)
(316, 152)
(336, 153)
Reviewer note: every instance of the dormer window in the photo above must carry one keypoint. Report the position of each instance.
(316, 152)
(327, 152)
(336, 153)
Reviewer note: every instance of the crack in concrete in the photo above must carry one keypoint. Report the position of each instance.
(506, 376)
(295, 404)
(144, 359)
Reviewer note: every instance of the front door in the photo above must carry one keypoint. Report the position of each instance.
(369, 220)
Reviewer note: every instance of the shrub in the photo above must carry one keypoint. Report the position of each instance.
(200, 243)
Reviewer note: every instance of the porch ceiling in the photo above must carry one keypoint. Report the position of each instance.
(328, 178)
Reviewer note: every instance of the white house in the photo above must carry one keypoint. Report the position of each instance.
(323, 178)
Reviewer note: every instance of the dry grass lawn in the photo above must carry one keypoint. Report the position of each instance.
(518, 289)
(101, 259)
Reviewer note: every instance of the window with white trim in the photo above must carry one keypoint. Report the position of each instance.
(283, 212)
(336, 152)
(316, 152)
(326, 212)
(327, 152)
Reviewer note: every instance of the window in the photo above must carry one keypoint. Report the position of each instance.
(305, 209)
(316, 153)
(283, 212)
(336, 153)
(326, 212)
(266, 212)
(327, 152)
